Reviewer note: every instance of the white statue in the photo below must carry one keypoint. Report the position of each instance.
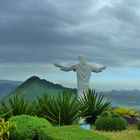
(83, 71)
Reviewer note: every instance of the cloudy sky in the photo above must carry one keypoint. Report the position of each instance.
(34, 34)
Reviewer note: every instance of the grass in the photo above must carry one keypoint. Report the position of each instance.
(77, 133)
(130, 134)
(71, 132)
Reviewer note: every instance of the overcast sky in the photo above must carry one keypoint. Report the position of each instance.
(34, 34)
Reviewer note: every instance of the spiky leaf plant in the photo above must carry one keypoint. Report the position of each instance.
(63, 109)
(93, 103)
(42, 104)
(17, 105)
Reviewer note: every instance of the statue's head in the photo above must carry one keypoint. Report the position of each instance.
(82, 59)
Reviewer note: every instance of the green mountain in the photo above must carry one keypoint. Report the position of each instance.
(34, 86)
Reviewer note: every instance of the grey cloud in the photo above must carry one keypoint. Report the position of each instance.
(47, 30)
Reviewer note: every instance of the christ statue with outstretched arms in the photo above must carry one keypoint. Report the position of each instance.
(83, 71)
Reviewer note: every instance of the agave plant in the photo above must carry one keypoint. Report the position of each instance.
(63, 109)
(93, 103)
(42, 104)
(16, 105)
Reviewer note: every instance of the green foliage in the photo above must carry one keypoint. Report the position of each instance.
(69, 133)
(126, 111)
(131, 133)
(110, 123)
(138, 125)
(62, 109)
(34, 86)
(27, 127)
(93, 103)
(5, 128)
(16, 106)
(115, 115)
(105, 114)
(42, 104)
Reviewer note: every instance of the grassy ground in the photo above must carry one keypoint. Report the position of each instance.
(130, 134)
(69, 133)
(77, 133)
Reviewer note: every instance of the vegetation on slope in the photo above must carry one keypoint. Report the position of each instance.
(69, 133)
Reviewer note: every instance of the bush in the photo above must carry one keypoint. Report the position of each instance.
(130, 115)
(63, 109)
(27, 127)
(93, 105)
(138, 125)
(69, 133)
(126, 111)
(5, 128)
(110, 123)
(105, 114)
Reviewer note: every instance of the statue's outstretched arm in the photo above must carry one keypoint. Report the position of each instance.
(98, 69)
(65, 68)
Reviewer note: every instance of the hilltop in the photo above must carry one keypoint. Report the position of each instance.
(34, 86)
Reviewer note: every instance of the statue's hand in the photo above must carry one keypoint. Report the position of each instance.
(104, 67)
(57, 65)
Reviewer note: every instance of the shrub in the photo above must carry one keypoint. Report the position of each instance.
(126, 111)
(138, 125)
(115, 115)
(69, 133)
(63, 109)
(110, 123)
(93, 103)
(5, 128)
(130, 115)
(105, 114)
(27, 127)
(17, 105)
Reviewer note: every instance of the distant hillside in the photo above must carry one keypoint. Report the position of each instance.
(7, 86)
(34, 86)
(128, 98)
(10, 82)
